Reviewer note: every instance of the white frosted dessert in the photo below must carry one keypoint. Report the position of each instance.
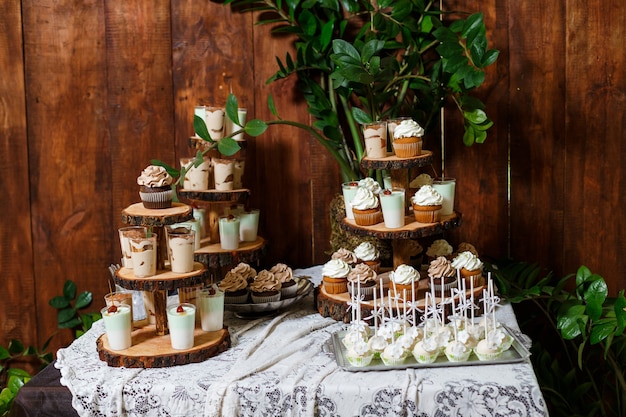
(371, 184)
(118, 326)
(427, 350)
(456, 351)
(359, 354)
(181, 320)
(394, 354)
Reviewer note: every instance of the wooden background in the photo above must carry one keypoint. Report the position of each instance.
(91, 91)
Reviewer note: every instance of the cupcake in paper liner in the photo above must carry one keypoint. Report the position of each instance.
(427, 203)
(443, 274)
(367, 253)
(366, 208)
(155, 187)
(335, 276)
(486, 350)
(265, 288)
(284, 274)
(345, 255)
(362, 278)
(235, 288)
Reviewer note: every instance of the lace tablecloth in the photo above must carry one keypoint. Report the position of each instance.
(279, 367)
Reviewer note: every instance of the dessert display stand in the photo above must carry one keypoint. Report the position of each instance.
(211, 254)
(151, 347)
(336, 305)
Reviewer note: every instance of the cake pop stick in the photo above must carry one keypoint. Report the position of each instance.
(390, 316)
(353, 312)
(472, 298)
(375, 314)
(413, 306)
(404, 308)
(453, 315)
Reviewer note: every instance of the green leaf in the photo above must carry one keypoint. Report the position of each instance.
(255, 127)
(595, 296)
(200, 128)
(271, 105)
(620, 313)
(70, 324)
(341, 47)
(472, 23)
(476, 116)
(84, 299)
(570, 318)
(66, 314)
(18, 373)
(489, 58)
(4, 353)
(228, 146)
(69, 290)
(59, 302)
(468, 136)
(232, 108)
(360, 116)
(15, 347)
(307, 22)
(370, 49)
(601, 331)
(16, 382)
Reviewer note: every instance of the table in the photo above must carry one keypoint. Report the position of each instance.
(280, 366)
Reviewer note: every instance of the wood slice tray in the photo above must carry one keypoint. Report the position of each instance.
(393, 162)
(150, 351)
(335, 306)
(239, 196)
(137, 215)
(213, 256)
(163, 280)
(410, 230)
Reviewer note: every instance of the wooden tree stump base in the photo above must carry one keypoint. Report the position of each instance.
(150, 351)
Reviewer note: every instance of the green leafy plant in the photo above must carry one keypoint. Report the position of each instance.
(360, 61)
(12, 378)
(579, 345)
(69, 316)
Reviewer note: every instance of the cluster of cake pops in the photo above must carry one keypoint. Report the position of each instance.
(445, 327)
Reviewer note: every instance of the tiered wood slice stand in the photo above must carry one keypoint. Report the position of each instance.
(151, 347)
(211, 254)
(336, 305)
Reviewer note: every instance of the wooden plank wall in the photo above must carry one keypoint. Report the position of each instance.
(91, 91)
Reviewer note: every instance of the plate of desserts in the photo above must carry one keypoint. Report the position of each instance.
(448, 331)
(268, 290)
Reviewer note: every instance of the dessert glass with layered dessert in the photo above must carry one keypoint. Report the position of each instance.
(181, 321)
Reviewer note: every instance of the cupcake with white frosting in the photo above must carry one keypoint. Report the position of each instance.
(471, 268)
(367, 253)
(427, 203)
(366, 208)
(407, 139)
(335, 276)
(402, 281)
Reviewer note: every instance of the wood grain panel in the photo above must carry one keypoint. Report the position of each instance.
(212, 52)
(537, 132)
(140, 98)
(594, 154)
(16, 252)
(281, 185)
(68, 150)
(481, 170)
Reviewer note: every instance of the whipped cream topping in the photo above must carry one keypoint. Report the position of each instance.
(439, 247)
(336, 268)
(265, 281)
(282, 272)
(232, 282)
(441, 268)
(362, 273)
(244, 270)
(427, 196)
(467, 260)
(408, 129)
(366, 251)
(421, 179)
(154, 176)
(371, 184)
(364, 199)
(344, 254)
(404, 275)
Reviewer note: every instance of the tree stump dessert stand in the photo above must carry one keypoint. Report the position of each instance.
(151, 346)
(336, 305)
